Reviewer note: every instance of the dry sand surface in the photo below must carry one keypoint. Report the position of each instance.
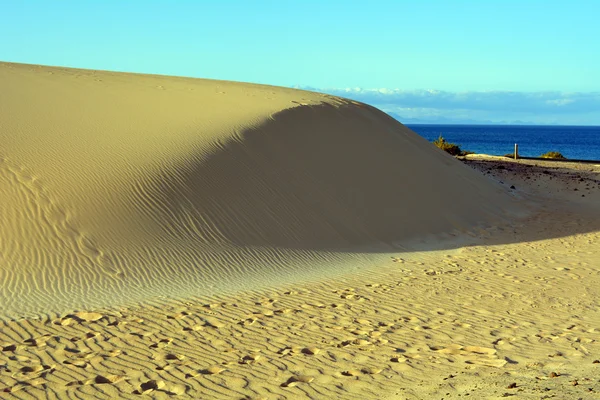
(171, 237)
(119, 187)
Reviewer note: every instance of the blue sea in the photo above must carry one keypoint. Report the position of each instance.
(575, 142)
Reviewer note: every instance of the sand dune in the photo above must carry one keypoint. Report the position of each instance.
(484, 322)
(118, 187)
(250, 218)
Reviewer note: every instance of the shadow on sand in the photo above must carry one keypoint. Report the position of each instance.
(346, 179)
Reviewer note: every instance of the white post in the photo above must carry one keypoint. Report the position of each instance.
(516, 151)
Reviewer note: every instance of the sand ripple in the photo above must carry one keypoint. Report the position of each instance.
(117, 188)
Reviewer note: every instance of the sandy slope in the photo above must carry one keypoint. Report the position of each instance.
(118, 188)
(518, 320)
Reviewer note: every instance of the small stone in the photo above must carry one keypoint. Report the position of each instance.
(596, 362)
(512, 385)
(554, 375)
(574, 382)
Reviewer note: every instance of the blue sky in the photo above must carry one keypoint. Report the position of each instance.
(443, 50)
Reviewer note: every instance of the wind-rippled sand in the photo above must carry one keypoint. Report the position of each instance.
(120, 187)
(168, 237)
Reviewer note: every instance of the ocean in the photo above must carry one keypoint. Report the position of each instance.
(576, 142)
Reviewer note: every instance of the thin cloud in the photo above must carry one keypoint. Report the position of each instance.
(542, 107)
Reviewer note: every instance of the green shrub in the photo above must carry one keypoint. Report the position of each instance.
(553, 154)
(450, 148)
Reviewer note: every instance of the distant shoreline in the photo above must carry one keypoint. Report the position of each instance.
(566, 160)
(573, 142)
(496, 124)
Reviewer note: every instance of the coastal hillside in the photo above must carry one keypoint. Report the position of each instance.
(118, 187)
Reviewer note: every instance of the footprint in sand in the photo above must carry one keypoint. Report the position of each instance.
(213, 323)
(88, 336)
(174, 357)
(162, 343)
(77, 363)
(371, 370)
(150, 386)
(178, 316)
(38, 342)
(194, 328)
(297, 379)
(479, 350)
(29, 370)
(250, 359)
(86, 316)
(166, 367)
(290, 350)
(109, 379)
(66, 321)
(98, 380)
(214, 370)
(143, 334)
(497, 363)
(9, 347)
(311, 351)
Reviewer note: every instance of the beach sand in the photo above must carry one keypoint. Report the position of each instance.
(205, 239)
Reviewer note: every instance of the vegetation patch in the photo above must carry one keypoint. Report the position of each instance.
(450, 148)
(553, 154)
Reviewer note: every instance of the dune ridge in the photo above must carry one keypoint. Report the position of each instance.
(118, 187)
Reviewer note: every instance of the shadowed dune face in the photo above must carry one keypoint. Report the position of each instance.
(116, 187)
(324, 178)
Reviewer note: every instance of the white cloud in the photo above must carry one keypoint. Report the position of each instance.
(539, 107)
(560, 102)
